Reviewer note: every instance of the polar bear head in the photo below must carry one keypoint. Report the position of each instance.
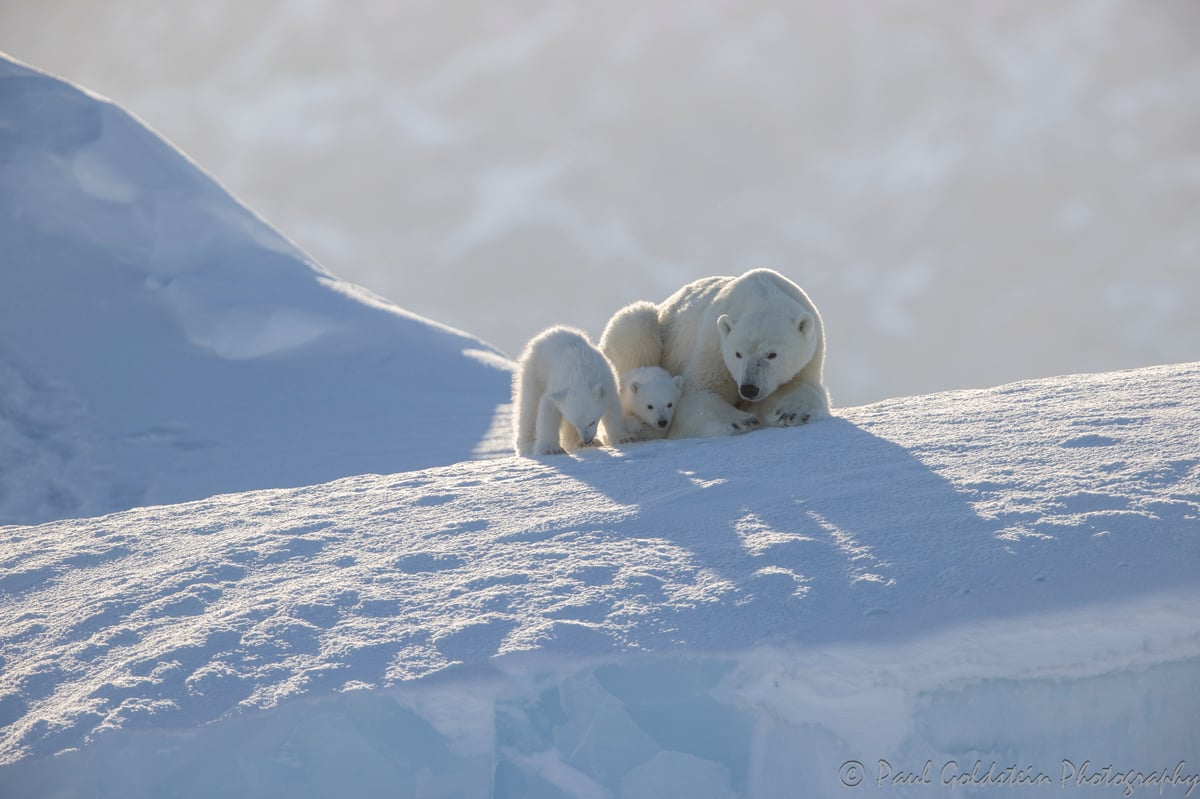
(582, 407)
(650, 394)
(766, 348)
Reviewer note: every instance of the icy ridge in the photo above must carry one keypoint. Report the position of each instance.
(1041, 533)
(159, 342)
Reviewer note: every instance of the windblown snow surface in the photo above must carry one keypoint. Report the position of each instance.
(159, 342)
(977, 580)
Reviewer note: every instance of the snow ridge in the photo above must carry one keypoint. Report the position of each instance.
(166, 344)
(980, 542)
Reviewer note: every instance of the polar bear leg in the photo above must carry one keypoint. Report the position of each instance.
(613, 428)
(703, 414)
(568, 436)
(549, 419)
(526, 411)
(798, 402)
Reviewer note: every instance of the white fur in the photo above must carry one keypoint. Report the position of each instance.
(649, 395)
(704, 328)
(564, 390)
(633, 338)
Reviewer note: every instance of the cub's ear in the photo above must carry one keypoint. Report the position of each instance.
(724, 324)
(678, 381)
(804, 323)
(558, 396)
(598, 391)
(635, 386)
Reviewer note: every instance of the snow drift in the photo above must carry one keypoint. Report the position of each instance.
(991, 582)
(159, 342)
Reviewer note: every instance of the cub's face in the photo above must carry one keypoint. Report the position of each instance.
(653, 401)
(764, 351)
(583, 410)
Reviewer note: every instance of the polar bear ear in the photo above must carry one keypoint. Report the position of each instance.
(804, 323)
(558, 396)
(598, 391)
(635, 386)
(678, 381)
(724, 324)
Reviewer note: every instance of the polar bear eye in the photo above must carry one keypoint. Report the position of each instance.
(670, 405)
(649, 407)
(737, 355)
(770, 356)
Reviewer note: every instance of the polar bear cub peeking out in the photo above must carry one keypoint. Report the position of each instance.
(564, 392)
(648, 397)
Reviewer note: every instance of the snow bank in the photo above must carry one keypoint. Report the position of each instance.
(159, 342)
(954, 587)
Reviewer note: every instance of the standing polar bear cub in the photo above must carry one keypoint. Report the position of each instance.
(564, 389)
(750, 349)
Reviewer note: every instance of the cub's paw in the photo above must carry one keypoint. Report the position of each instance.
(552, 451)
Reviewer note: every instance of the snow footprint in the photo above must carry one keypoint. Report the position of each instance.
(475, 642)
(434, 499)
(422, 562)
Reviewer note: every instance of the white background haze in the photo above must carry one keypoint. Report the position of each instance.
(971, 193)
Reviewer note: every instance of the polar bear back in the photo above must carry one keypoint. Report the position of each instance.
(691, 347)
(632, 339)
(562, 358)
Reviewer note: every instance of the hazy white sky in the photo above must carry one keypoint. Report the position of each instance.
(970, 193)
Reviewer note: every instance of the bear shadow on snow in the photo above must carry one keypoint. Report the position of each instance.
(850, 538)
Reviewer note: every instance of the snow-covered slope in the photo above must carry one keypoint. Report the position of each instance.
(159, 342)
(1006, 575)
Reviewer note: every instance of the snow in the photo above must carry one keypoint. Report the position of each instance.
(1006, 574)
(988, 591)
(159, 342)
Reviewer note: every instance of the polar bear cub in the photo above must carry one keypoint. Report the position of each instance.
(648, 398)
(564, 391)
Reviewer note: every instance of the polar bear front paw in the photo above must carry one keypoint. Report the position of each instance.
(745, 424)
(785, 418)
(795, 405)
(552, 451)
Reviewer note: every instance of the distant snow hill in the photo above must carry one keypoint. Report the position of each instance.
(1001, 584)
(159, 342)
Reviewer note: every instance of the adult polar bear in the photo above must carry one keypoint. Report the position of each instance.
(750, 349)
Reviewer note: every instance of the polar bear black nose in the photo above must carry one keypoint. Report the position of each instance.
(748, 391)
(662, 422)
